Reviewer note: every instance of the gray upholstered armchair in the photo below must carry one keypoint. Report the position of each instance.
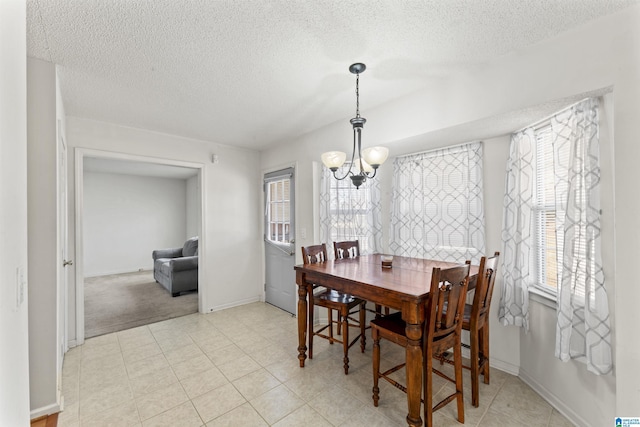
(177, 269)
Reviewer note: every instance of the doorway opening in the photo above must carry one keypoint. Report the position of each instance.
(126, 207)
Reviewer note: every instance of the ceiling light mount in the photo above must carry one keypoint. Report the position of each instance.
(368, 160)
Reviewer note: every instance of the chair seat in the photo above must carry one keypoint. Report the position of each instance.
(392, 322)
(330, 296)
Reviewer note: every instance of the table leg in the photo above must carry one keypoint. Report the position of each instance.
(414, 373)
(302, 323)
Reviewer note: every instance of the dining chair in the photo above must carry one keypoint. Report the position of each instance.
(351, 249)
(476, 321)
(345, 305)
(442, 330)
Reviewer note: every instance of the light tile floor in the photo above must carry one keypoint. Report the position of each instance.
(239, 367)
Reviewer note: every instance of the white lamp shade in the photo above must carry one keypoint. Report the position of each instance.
(333, 159)
(375, 155)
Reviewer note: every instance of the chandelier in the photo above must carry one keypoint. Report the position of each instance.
(370, 159)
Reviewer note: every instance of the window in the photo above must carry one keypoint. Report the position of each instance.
(278, 210)
(548, 242)
(552, 189)
(437, 208)
(350, 213)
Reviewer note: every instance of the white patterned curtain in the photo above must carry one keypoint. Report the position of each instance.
(437, 210)
(350, 213)
(518, 230)
(582, 330)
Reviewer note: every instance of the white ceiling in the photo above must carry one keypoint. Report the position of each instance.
(253, 73)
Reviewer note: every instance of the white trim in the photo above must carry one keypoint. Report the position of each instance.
(542, 297)
(79, 245)
(45, 410)
(107, 273)
(203, 292)
(554, 401)
(235, 304)
(80, 154)
(503, 366)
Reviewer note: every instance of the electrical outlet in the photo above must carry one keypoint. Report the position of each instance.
(303, 233)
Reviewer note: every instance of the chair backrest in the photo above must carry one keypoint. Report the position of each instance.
(314, 254)
(346, 249)
(445, 306)
(484, 287)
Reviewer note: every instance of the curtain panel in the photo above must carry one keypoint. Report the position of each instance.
(350, 213)
(518, 254)
(583, 330)
(437, 208)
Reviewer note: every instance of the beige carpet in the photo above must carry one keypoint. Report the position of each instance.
(123, 301)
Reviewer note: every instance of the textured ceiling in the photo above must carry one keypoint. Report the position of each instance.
(252, 73)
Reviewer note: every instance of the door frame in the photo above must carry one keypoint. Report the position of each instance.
(80, 154)
(62, 243)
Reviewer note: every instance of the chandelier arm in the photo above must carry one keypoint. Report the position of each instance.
(345, 175)
(353, 154)
(375, 171)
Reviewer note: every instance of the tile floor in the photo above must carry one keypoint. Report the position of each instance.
(239, 367)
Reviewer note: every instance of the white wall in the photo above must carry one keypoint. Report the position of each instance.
(14, 332)
(604, 53)
(231, 239)
(126, 217)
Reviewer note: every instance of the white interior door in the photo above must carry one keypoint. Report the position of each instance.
(280, 280)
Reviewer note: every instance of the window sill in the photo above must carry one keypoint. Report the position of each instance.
(543, 298)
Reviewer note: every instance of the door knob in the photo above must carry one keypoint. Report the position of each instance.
(65, 262)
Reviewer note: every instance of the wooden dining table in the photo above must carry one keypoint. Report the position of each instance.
(404, 287)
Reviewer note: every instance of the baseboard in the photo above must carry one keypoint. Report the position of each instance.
(110, 273)
(507, 367)
(72, 343)
(553, 400)
(234, 304)
(45, 410)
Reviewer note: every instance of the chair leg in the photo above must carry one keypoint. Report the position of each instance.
(376, 365)
(345, 339)
(484, 335)
(363, 325)
(457, 351)
(330, 320)
(427, 381)
(475, 369)
(378, 311)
